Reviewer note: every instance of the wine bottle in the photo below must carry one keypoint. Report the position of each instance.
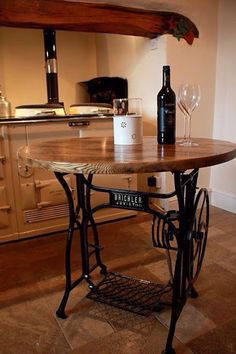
(166, 111)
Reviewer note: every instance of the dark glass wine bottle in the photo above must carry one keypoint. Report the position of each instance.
(166, 111)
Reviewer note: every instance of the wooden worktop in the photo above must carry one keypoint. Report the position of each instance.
(99, 155)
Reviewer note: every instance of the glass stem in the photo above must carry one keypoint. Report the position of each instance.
(185, 127)
(188, 129)
(26, 135)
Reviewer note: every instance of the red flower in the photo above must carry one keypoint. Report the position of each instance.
(172, 23)
(189, 37)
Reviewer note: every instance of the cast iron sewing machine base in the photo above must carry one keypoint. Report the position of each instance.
(183, 231)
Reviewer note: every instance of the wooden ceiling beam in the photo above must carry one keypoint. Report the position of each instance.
(92, 17)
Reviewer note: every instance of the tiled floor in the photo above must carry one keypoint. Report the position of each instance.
(32, 280)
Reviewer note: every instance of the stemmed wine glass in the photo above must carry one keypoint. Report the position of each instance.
(184, 115)
(188, 99)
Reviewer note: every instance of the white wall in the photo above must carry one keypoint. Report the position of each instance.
(196, 64)
(22, 72)
(223, 177)
(132, 58)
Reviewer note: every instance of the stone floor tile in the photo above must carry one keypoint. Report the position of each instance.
(80, 328)
(229, 264)
(215, 253)
(214, 233)
(220, 340)
(29, 328)
(121, 320)
(77, 299)
(191, 324)
(217, 293)
(160, 270)
(18, 294)
(228, 241)
(131, 342)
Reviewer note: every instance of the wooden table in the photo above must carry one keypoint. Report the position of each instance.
(183, 230)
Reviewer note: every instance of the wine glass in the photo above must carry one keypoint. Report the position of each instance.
(184, 115)
(189, 97)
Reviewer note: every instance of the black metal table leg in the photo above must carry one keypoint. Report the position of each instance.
(96, 244)
(84, 209)
(80, 187)
(191, 239)
(185, 189)
(72, 219)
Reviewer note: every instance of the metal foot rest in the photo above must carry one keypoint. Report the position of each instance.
(130, 294)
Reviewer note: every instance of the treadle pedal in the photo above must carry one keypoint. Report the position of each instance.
(130, 294)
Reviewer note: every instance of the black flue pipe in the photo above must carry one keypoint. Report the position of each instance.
(51, 65)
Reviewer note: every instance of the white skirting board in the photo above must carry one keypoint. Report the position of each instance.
(223, 200)
(218, 199)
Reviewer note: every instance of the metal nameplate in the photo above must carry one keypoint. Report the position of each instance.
(129, 200)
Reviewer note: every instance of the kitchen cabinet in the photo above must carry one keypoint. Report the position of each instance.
(32, 201)
(8, 221)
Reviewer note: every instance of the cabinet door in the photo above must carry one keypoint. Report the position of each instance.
(99, 127)
(8, 222)
(41, 205)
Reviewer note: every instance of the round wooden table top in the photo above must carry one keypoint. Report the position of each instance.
(99, 155)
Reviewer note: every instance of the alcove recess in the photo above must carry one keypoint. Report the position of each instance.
(94, 17)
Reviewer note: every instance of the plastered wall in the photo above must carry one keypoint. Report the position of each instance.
(223, 177)
(22, 70)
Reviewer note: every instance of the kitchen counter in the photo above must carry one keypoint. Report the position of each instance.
(80, 118)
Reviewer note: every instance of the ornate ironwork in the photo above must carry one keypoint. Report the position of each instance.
(183, 231)
(198, 235)
(164, 230)
(79, 218)
(131, 294)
